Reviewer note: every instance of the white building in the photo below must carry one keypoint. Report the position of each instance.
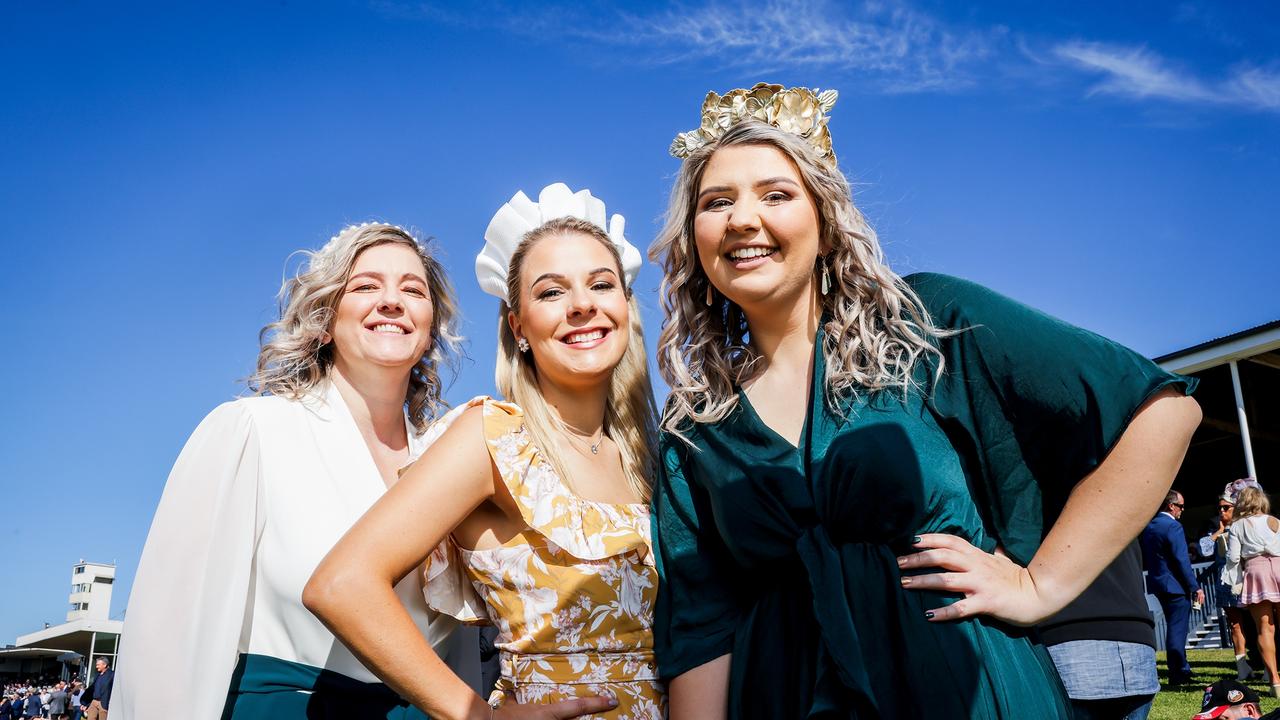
(88, 632)
(91, 591)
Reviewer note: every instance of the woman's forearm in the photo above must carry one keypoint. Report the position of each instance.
(365, 612)
(1110, 506)
(352, 590)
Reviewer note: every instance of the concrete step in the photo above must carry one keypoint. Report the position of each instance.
(1205, 637)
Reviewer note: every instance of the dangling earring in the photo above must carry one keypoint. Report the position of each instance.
(709, 298)
(522, 345)
(826, 279)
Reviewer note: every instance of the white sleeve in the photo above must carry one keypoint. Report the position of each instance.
(190, 605)
(1231, 574)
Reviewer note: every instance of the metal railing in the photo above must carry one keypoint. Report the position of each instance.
(1210, 611)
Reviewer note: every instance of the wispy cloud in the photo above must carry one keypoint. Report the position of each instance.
(888, 44)
(882, 45)
(1136, 72)
(896, 47)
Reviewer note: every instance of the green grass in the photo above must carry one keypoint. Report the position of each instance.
(1182, 702)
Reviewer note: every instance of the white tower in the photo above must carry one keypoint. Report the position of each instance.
(91, 591)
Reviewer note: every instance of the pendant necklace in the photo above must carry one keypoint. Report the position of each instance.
(595, 446)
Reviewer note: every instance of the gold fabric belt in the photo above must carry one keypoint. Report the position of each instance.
(578, 668)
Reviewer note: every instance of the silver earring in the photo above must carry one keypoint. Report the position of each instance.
(522, 345)
(709, 298)
(826, 279)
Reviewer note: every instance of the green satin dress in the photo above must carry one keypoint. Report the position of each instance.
(786, 557)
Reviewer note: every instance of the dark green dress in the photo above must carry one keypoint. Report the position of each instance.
(786, 557)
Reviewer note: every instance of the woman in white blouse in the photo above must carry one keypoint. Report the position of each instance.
(1253, 564)
(266, 485)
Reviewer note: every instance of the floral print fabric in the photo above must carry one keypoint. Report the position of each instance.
(572, 595)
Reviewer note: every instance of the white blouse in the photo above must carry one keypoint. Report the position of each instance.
(261, 492)
(1249, 537)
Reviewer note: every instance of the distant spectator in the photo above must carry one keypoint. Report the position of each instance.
(1214, 546)
(58, 702)
(77, 690)
(1171, 579)
(32, 706)
(1253, 564)
(101, 691)
(1229, 700)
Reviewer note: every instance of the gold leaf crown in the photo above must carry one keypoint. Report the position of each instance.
(798, 110)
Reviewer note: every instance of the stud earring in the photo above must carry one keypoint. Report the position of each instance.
(522, 345)
(826, 279)
(709, 298)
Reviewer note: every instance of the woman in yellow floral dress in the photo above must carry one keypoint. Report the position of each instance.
(530, 514)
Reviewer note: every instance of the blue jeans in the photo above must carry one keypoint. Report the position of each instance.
(1106, 678)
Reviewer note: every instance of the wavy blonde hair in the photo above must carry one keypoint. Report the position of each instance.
(1252, 501)
(630, 415)
(876, 326)
(293, 357)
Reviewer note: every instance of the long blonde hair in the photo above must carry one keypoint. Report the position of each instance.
(293, 357)
(876, 326)
(1252, 501)
(630, 415)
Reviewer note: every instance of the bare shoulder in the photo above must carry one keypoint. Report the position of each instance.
(458, 457)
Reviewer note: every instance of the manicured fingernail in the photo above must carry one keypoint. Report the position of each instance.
(906, 581)
(915, 540)
(928, 615)
(902, 560)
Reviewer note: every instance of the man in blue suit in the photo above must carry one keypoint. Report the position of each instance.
(1171, 579)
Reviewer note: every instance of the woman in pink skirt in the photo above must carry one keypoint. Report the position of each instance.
(1253, 564)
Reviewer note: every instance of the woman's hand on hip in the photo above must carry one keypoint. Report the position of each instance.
(992, 584)
(562, 710)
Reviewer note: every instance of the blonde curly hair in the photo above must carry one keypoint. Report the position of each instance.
(876, 327)
(293, 357)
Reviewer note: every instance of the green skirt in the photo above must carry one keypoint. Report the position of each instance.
(264, 687)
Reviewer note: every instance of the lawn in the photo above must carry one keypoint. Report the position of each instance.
(1207, 666)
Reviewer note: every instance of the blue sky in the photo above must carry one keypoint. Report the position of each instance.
(1117, 166)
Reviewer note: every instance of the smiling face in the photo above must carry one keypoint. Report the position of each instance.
(385, 314)
(756, 228)
(572, 309)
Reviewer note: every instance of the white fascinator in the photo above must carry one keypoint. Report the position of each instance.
(520, 215)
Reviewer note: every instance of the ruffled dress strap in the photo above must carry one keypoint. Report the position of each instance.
(586, 529)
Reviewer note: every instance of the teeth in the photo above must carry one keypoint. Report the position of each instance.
(388, 328)
(750, 252)
(585, 337)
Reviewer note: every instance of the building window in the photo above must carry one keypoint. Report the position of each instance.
(79, 569)
(104, 580)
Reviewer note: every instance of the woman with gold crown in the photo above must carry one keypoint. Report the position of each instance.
(871, 485)
(536, 506)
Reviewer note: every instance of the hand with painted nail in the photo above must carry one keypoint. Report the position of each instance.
(577, 707)
(992, 584)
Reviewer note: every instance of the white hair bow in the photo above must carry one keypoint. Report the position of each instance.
(517, 217)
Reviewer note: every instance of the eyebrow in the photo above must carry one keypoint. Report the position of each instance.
(378, 276)
(558, 276)
(761, 183)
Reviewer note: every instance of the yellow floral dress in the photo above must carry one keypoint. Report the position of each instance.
(572, 595)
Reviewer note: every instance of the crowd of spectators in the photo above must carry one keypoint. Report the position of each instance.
(55, 699)
(41, 698)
